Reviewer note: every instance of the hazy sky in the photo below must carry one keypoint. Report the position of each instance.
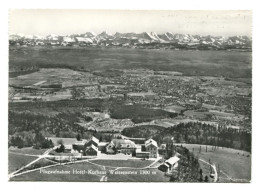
(51, 21)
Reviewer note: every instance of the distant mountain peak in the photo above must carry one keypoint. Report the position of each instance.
(133, 39)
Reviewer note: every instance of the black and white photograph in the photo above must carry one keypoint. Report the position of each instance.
(119, 95)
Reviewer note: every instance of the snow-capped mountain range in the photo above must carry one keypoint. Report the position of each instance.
(145, 39)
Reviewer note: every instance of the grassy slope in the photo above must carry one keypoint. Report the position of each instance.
(158, 176)
(237, 166)
(18, 158)
(28, 150)
(123, 163)
(37, 176)
(16, 161)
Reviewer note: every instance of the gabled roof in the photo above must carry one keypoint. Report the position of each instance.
(95, 140)
(165, 164)
(149, 142)
(81, 142)
(172, 160)
(93, 147)
(102, 144)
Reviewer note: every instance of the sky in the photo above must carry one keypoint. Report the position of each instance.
(66, 21)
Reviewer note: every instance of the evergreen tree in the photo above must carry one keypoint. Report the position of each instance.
(78, 137)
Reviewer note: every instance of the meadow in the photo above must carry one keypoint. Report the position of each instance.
(16, 161)
(123, 163)
(27, 150)
(234, 165)
(36, 175)
(21, 157)
(40, 176)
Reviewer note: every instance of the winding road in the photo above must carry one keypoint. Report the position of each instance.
(213, 167)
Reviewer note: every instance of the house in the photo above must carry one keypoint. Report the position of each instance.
(91, 151)
(67, 149)
(152, 147)
(121, 146)
(86, 147)
(79, 146)
(102, 146)
(169, 164)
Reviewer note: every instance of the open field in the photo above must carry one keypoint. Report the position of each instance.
(210, 63)
(91, 172)
(174, 108)
(233, 163)
(59, 106)
(218, 114)
(214, 107)
(171, 122)
(27, 150)
(18, 73)
(68, 176)
(46, 77)
(40, 163)
(16, 161)
(123, 163)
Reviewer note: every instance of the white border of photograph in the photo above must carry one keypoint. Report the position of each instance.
(126, 5)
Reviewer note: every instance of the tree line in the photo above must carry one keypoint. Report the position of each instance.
(201, 133)
(196, 133)
(37, 140)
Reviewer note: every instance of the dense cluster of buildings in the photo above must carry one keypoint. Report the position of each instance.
(144, 149)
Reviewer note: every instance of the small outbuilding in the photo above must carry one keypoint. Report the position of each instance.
(169, 164)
